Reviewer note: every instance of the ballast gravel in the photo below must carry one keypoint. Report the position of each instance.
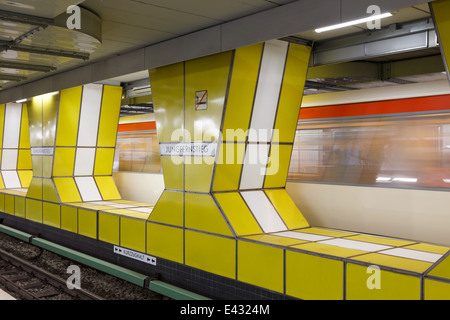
(97, 282)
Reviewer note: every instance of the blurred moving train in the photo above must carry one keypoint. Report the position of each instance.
(370, 160)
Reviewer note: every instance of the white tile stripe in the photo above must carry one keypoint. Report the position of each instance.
(353, 244)
(301, 236)
(84, 164)
(413, 254)
(88, 188)
(263, 114)
(11, 179)
(12, 124)
(89, 115)
(144, 210)
(114, 204)
(255, 162)
(268, 90)
(264, 212)
(9, 159)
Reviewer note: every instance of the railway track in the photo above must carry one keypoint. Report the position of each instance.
(33, 283)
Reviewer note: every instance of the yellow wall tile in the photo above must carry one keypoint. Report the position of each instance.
(37, 163)
(108, 228)
(35, 122)
(19, 206)
(24, 129)
(165, 242)
(311, 277)
(228, 168)
(277, 170)
(107, 188)
(69, 113)
(49, 192)
(286, 208)
(34, 210)
(64, 162)
(51, 214)
(87, 223)
(50, 106)
(67, 189)
(35, 189)
(211, 253)
(2, 122)
(25, 177)
(109, 117)
(209, 73)
(436, 290)
(393, 286)
(168, 209)
(173, 172)
(104, 158)
(2, 202)
(198, 175)
(442, 270)
(47, 166)
(132, 233)
(261, 265)
(9, 204)
(69, 218)
(440, 12)
(201, 213)
(24, 161)
(241, 92)
(237, 212)
(292, 91)
(167, 86)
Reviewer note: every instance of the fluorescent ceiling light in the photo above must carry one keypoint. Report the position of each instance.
(21, 100)
(354, 22)
(143, 89)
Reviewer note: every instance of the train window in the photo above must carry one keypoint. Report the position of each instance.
(137, 152)
(407, 151)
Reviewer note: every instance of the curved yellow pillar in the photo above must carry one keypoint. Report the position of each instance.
(226, 126)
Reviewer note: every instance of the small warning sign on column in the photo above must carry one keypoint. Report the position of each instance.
(201, 100)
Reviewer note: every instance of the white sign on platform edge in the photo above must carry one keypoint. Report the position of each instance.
(135, 255)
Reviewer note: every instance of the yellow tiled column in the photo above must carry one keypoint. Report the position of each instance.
(226, 126)
(440, 11)
(73, 135)
(15, 158)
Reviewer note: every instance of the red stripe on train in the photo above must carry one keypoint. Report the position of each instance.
(422, 104)
(138, 126)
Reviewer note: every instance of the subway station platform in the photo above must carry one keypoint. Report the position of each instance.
(226, 105)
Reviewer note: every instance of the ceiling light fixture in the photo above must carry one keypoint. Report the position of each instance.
(354, 22)
(139, 90)
(21, 100)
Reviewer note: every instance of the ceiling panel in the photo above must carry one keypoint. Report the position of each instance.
(41, 8)
(218, 10)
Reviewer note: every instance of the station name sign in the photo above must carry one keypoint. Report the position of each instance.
(42, 151)
(189, 149)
